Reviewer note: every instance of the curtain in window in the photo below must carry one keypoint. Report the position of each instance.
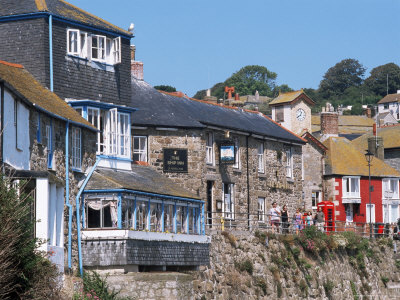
(98, 205)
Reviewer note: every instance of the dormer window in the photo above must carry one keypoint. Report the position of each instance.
(93, 47)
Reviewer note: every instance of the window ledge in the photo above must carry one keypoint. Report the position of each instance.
(289, 180)
(262, 175)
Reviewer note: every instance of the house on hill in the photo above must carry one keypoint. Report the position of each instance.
(238, 161)
(390, 104)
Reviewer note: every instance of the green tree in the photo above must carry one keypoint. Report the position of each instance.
(165, 88)
(346, 73)
(382, 78)
(357, 109)
(247, 81)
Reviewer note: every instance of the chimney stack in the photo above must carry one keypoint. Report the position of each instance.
(237, 97)
(329, 123)
(375, 146)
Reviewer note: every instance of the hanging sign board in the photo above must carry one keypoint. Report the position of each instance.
(175, 160)
(227, 153)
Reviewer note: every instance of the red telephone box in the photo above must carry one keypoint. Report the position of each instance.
(329, 211)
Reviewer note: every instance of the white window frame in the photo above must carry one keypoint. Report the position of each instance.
(100, 48)
(124, 148)
(116, 50)
(352, 180)
(140, 152)
(390, 188)
(228, 207)
(83, 44)
(349, 212)
(76, 148)
(93, 117)
(261, 209)
(73, 42)
(317, 198)
(367, 208)
(289, 163)
(260, 157)
(236, 165)
(388, 210)
(210, 148)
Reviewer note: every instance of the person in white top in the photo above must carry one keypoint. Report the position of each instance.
(275, 216)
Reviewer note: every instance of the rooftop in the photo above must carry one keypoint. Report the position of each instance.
(141, 178)
(59, 8)
(166, 110)
(390, 135)
(342, 158)
(291, 97)
(22, 83)
(347, 124)
(390, 98)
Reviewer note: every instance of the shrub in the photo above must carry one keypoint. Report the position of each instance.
(296, 252)
(398, 264)
(95, 287)
(24, 273)
(262, 236)
(354, 290)
(245, 265)
(328, 287)
(385, 280)
(261, 283)
(303, 287)
(230, 237)
(279, 289)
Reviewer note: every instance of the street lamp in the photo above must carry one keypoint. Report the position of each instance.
(369, 156)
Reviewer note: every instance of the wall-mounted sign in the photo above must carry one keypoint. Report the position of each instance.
(175, 160)
(227, 153)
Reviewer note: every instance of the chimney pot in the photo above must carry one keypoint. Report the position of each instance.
(330, 123)
(237, 97)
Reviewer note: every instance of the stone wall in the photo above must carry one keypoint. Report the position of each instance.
(277, 274)
(272, 184)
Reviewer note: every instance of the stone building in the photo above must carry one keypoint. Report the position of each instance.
(293, 110)
(47, 146)
(238, 161)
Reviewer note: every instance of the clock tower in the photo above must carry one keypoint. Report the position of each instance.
(293, 111)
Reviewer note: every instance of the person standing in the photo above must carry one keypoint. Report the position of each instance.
(275, 216)
(309, 219)
(320, 219)
(284, 219)
(298, 221)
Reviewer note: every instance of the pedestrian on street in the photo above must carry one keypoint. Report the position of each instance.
(320, 219)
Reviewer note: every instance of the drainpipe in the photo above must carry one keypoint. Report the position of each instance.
(2, 128)
(51, 51)
(78, 223)
(67, 195)
(248, 180)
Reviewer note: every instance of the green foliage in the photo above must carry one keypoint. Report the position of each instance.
(356, 109)
(354, 290)
(308, 277)
(345, 74)
(95, 287)
(261, 283)
(279, 290)
(262, 236)
(247, 81)
(303, 287)
(261, 256)
(245, 266)
(24, 272)
(398, 263)
(296, 252)
(307, 266)
(385, 280)
(328, 287)
(384, 76)
(165, 88)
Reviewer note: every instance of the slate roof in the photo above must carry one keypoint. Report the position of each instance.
(291, 97)
(390, 98)
(157, 109)
(22, 83)
(141, 178)
(58, 8)
(342, 158)
(390, 135)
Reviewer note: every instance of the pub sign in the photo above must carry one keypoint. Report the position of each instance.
(227, 153)
(175, 160)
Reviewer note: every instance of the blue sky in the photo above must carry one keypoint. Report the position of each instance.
(193, 44)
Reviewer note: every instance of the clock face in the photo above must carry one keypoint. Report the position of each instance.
(300, 114)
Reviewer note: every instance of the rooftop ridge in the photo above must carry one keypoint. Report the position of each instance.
(284, 128)
(11, 64)
(41, 5)
(94, 16)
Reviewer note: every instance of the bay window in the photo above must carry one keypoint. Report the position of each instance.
(390, 188)
(351, 187)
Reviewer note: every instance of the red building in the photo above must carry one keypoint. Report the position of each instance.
(346, 184)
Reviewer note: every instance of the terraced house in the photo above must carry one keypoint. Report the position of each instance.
(86, 61)
(238, 161)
